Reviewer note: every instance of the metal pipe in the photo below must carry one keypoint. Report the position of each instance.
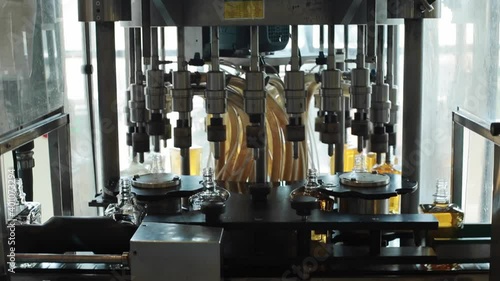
(131, 55)
(331, 60)
(254, 61)
(181, 50)
(90, 96)
(107, 107)
(295, 49)
(396, 56)
(146, 25)
(62, 258)
(154, 48)
(390, 56)
(321, 38)
(138, 55)
(495, 219)
(380, 54)
(162, 47)
(412, 109)
(215, 49)
(360, 60)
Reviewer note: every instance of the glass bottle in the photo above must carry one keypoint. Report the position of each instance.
(387, 167)
(157, 163)
(449, 215)
(211, 191)
(326, 203)
(126, 210)
(22, 211)
(134, 168)
(450, 218)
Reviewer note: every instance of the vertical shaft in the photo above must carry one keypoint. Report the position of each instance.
(138, 55)
(390, 56)
(106, 84)
(380, 54)
(339, 147)
(131, 53)
(295, 48)
(412, 109)
(215, 49)
(254, 62)
(181, 50)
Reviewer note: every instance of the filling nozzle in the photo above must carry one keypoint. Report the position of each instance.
(295, 96)
(361, 92)
(255, 106)
(381, 106)
(183, 104)
(216, 97)
(155, 94)
(332, 105)
(137, 102)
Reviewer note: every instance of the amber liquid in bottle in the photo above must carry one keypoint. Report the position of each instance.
(387, 168)
(450, 220)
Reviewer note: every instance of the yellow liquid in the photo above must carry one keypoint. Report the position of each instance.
(394, 202)
(450, 219)
(194, 160)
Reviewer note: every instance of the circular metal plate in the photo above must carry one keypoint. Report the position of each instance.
(364, 179)
(156, 181)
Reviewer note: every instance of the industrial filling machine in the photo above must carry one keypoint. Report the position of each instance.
(259, 209)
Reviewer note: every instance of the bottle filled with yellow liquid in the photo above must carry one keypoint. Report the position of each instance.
(449, 215)
(388, 168)
(450, 220)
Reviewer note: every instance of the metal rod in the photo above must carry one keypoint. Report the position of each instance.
(457, 163)
(331, 60)
(146, 25)
(380, 54)
(295, 49)
(131, 55)
(62, 258)
(162, 47)
(261, 165)
(215, 49)
(495, 219)
(107, 107)
(412, 109)
(90, 94)
(321, 38)
(185, 162)
(138, 55)
(396, 56)
(181, 50)
(254, 62)
(390, 56)
(154, 48)
(361, 46)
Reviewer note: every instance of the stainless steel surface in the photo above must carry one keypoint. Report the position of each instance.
(159, 251)
(457, 163)
(107, 134)
(363, 207)
(61, 172)
(475, 124)
(276, 12)
(412, 110)
(413, 9)
(361, 179)
(163, 180)
(104, 10)
(15, 139)
(70, 258)
(495, 220)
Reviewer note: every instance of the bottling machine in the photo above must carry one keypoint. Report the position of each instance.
(259, 210)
